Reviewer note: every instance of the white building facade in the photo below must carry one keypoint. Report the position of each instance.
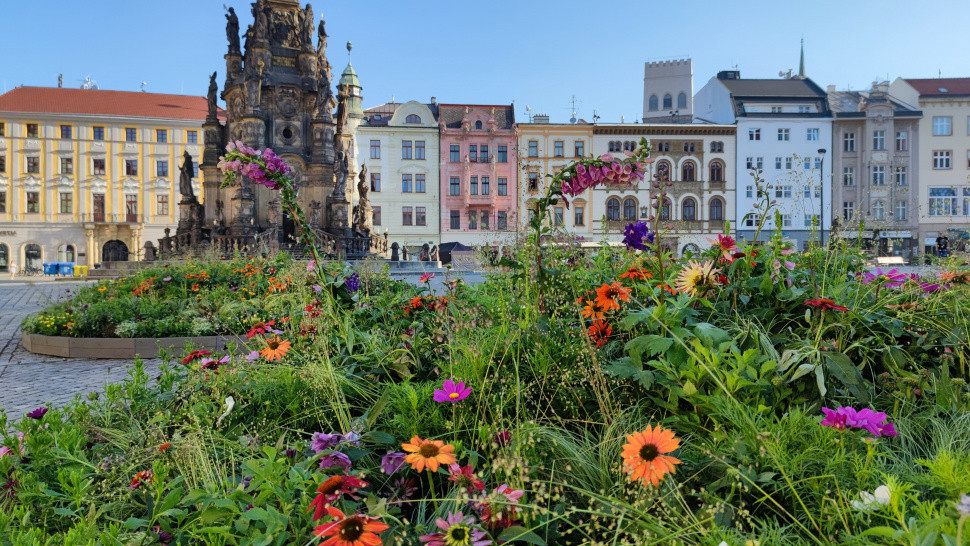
(399, 145)
(784, 131)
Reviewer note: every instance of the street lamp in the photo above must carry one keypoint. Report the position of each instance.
(821, 197)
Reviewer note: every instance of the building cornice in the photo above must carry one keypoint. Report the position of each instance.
(666, 130)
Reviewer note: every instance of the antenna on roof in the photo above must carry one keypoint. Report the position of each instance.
(88, 83)
(574, 101)
(528, 112)
(596, 117)
(143, 84)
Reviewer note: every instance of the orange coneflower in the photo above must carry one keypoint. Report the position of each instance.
(644, 457)
(428, 453)
(600, 332)
(636, 274)
(667, 288)
(195, 288)
(592, 311)
(164, 447)
(275, 349)
(352, 530)
(607, 295)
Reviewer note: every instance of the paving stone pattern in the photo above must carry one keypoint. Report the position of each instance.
(28, 381)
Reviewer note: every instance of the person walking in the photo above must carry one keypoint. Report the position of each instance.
(943, 246)
(13, 269)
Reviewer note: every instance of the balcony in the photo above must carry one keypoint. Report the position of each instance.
(102, 218)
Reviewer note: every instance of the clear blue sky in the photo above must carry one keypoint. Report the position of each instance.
(537, 53)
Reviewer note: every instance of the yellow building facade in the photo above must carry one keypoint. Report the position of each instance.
(88, 176)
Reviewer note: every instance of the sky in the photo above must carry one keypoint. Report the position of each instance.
(537, 53)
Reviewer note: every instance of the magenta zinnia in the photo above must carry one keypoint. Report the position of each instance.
(452, 392)
(842, 418)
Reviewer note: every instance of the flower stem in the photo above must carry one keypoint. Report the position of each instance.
(434, 498)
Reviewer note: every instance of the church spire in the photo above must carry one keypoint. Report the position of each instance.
(801, 61)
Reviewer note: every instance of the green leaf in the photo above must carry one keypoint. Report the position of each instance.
(842, 368)
(649, 345)
(518, 533)
(711, 336)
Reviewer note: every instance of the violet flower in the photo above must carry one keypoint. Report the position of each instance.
(865, 419)
(334, 459)
(38, 413)
(637, 235)
(392, 462)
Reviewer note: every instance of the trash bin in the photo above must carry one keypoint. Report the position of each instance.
(66, 268)
(80, 271)
(50, 268)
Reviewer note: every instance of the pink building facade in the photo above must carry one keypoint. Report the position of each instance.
(479, 174)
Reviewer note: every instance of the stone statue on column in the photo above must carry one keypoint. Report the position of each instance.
(213, 93)
(232, 32)
(363, 214)
(186, 174)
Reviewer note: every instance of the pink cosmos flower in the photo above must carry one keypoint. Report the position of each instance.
(865, 419)
(452, 392)
(426, 278)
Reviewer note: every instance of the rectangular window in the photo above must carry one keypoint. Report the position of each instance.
(131, 167)
(161, 205)
(420, 216)
(783, 191)
(533, 148)
(754, 134)
(786, 220)
(455, 153)
(484, 219)
(749, 192)
(808, 163)
(579, 148)
(942, 126)
(485, 185)
(900, 211)
(804, 109)
(557, 216)
(749, 163)
(483, 154)
(473, 153)
(405, 149)
(901, 178)
(131, 135)
(941, 159)
(848, 176)
(776, 110)
(533, 181)
(473, 186)
(375, 149)
(131, 207)
(579, 216)
(879, 176)
(33, 202)
(879, 140)
(419, 149)
(760, 164)
(67, 202)
(778, 163)
(67, 165)
(377, 215)
(943, 201)
(3, 163)
(406, 183)
(97, 133)
(902, 141)
(33, 164)
(32, 130)
(502, 219)
(811, 134)
(503, 154)
(419, 183)
(192, 137)
(848, 210)
(97, 206)
(161, 135)
(503, 186)
(788, 162)
(454, 187)
(472, 219)
(3, 202)
(808, 192)
(97, 166)
(66, 131)
(809, 220)
(407, 216)
(784, 134)
(161, 169)
(848, 142)
(3, 129)
(558, 149)
(455, 219)
(375, 182)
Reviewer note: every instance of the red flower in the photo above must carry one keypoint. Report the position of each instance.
(350, 530)
(600, 332)
(145, 476)
(465, 477)
(331, 490)
(825, 303)
(260, 328)
(194, 355)
(164, 447)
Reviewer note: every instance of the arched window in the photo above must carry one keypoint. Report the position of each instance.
(668, 102)
(717, 210)
(614, 146)
(65, 253)
(4, 257)
(478, 124)
(717, 172)
(663, 170)
(690, 249)
(689, 209)
(414, 118)
(613, 209)
(653, 103)
(682, 100)
(879, 210)
(630, 209)
(687, 171)
(32, 256)
(665, 210)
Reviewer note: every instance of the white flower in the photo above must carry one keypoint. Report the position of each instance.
(230, 403)
(871, 502)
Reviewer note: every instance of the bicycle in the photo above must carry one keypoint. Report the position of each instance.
(31, 271)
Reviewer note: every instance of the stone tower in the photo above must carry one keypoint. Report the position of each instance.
(349, 86)
(278, 94)
(668, 91)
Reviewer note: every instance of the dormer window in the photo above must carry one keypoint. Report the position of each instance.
(478, 125)
(412, 118)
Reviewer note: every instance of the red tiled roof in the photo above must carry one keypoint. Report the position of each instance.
(56, 100)
(933, 86)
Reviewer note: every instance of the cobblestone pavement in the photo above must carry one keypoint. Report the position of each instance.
(28, 381)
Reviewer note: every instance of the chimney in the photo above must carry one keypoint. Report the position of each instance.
(830, 89)
(729, 75)
(541, 118)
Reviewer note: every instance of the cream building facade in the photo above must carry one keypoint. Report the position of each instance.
(89, 175)
(399, 145)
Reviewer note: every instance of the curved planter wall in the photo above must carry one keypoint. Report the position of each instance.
(144, 347)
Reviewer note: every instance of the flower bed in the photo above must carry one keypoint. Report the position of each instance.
(747, 395)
